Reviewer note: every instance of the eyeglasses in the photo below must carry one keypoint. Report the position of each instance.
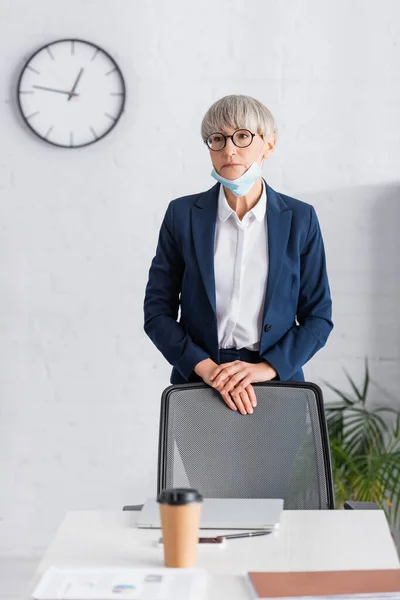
(241, 138)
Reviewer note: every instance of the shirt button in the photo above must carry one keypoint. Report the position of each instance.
(267, 328)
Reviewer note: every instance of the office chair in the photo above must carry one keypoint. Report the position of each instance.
(280, 451)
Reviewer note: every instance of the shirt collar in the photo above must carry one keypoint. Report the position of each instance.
(225, 211)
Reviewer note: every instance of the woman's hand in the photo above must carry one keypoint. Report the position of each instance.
(244, 401)
(235, 377)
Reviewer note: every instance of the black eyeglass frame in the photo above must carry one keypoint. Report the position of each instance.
(226, 137)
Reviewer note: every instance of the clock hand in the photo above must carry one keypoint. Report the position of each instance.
(48, 89)
(72, 93)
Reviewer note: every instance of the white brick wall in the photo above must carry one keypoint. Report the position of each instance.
(79, 381)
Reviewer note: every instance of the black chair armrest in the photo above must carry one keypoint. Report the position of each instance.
(354, 505)
(133, 507)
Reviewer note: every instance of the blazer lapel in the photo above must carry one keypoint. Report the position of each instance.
(204, 216)
(279, 219)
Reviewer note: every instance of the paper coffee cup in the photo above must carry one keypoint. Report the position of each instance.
(180, 510)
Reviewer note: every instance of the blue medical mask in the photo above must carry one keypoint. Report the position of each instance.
(243, 184)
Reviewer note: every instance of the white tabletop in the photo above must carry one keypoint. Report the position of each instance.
(306, 541)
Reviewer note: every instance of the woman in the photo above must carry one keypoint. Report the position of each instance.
(245, 265)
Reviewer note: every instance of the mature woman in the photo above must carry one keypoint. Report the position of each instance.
(245, 265)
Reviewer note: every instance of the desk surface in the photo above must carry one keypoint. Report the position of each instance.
(306, 541)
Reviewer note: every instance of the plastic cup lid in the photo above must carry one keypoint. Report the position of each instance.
(179, 496)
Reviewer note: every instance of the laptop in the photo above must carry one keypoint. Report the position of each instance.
(223, 513)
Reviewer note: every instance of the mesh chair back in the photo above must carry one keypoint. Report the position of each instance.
(280, 451)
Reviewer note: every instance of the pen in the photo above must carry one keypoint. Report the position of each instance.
(247, 534)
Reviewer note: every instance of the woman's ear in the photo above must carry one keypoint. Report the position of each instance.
(270, 143)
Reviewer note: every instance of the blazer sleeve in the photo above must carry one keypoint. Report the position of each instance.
(314, 309)
(161, 303)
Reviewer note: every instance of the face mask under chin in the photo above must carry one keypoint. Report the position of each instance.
(243, 184)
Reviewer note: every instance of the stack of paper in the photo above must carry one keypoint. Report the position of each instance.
(130, 584)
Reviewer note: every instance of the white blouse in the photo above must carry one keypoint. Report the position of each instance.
(241, 271)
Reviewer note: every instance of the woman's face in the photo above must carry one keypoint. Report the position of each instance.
(231, 162)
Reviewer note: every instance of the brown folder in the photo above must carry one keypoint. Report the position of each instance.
(324, 583)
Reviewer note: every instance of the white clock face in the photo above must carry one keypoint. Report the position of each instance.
(71, 93)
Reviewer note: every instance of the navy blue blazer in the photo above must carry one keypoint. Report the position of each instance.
(297, 309)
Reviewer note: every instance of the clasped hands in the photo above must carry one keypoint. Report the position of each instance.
(233, 380)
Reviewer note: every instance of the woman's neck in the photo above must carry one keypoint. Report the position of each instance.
(241, 205)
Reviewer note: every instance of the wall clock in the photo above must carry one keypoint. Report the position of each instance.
(71, 93)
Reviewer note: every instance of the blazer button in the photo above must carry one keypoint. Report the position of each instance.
(267, 328)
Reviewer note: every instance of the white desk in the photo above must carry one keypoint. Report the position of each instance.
(306, 541)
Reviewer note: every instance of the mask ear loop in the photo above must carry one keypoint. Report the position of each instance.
(262, 150)
(257, 159)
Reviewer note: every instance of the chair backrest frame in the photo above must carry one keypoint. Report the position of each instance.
(323, 430)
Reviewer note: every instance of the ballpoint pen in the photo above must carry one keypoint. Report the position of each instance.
(232, 536)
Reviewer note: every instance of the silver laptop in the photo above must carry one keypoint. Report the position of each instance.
(223, 513)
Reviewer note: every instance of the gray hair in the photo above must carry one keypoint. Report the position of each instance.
(238, 112)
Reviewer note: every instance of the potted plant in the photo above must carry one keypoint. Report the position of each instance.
(365, 449)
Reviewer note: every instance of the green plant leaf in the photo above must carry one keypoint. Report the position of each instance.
(354, 387)
(366, 380)
(365, 449)
(343, 396)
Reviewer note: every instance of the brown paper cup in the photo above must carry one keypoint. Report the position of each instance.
(180, 527)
